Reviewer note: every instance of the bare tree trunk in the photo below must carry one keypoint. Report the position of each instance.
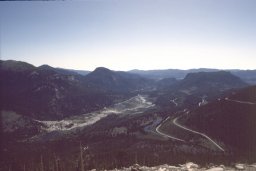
(42, 163)
(51, 167)
(136, 158)
(81, 157)
(56, 163)
(59, 165)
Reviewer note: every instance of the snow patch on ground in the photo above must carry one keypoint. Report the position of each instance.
(186, 167)
(203, 102)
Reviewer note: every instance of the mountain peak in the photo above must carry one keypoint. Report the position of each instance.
(16, 65)
(101, 72)
(219, 76)
(45, 66)
(101, 69)
(214, 82)
(208, 74)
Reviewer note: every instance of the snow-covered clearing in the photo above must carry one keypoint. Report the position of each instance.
(134, 105)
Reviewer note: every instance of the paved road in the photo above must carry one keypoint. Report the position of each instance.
(195, 132)
(237, 101)
(166, 135)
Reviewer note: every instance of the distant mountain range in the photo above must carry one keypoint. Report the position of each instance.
(46, 92)
(248, 76)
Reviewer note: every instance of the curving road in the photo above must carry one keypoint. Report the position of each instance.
(195, 132)
(187, 129)
(166, 135)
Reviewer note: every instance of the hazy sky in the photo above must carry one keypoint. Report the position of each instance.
(129, 34)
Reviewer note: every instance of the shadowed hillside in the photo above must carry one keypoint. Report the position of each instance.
(230, 120)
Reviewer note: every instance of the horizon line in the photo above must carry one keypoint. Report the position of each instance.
(134, 69)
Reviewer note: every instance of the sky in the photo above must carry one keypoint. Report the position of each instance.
(130, 34)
